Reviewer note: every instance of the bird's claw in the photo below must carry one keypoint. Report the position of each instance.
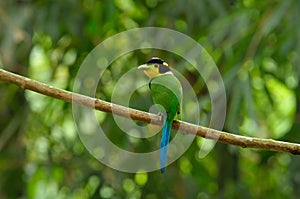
(160, 115)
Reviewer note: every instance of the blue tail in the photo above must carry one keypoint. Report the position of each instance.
(164, 145)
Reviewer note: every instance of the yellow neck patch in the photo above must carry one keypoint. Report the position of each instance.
(152, 73)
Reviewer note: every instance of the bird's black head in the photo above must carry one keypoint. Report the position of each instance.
(162, 66)
(155, 60)
(155, 67)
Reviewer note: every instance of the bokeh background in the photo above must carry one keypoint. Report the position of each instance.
(255, 44)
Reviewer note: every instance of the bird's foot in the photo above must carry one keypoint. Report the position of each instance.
(160, 115)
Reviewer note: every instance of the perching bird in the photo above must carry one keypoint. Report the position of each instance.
(166, 91)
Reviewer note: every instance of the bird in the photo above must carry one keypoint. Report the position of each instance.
(165, 90)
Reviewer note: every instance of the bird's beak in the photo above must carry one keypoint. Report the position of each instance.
(143, 67)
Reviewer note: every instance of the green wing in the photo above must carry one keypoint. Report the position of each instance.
(166, 90)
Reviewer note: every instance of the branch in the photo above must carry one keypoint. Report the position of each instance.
(228, 138)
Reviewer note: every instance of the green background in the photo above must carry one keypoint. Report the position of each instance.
(255, 44)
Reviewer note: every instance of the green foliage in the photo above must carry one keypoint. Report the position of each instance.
(254, 43)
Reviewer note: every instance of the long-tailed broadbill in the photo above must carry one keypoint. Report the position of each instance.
(166, 91)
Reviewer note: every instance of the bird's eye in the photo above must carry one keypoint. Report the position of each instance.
(156, 65)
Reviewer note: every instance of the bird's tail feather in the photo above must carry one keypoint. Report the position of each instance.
(164, 145)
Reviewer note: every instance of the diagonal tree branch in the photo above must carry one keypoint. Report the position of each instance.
(242, 141)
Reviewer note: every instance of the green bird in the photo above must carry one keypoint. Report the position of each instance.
(166, 91)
